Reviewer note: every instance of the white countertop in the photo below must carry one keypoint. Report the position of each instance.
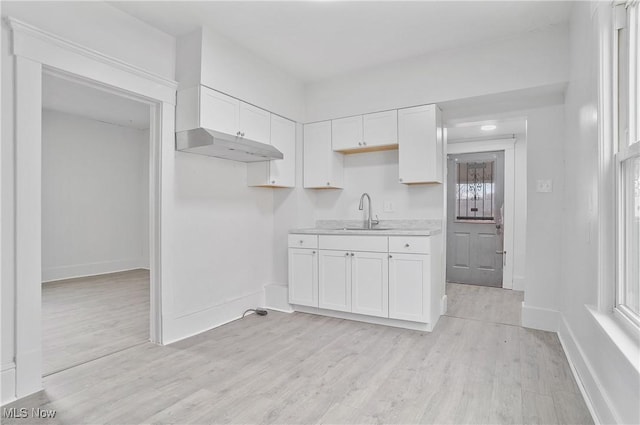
(391, 228)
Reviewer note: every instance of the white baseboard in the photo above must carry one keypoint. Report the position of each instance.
(405, 324)
(8, 383)
(276, 297)
(443, 305)
(178, 328)
(83, 270)
(592, 390)
(540, 318)
(518, 283)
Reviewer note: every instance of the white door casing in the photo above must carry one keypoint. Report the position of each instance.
(508, 146)
(35, 52)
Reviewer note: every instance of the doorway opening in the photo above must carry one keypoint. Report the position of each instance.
(96, 293)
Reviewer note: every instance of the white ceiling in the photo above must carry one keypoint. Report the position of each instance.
(314, 40)
(472, 130)
(62, 95)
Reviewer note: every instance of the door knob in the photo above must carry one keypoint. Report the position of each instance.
(406, 245)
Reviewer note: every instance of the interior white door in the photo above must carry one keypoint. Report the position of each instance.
(255, 123)
(219, 111)
(334, 286)
(303, 277)
(407, 292)
(370, 283)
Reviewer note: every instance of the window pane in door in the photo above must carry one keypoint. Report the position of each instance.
(630, 296)
(475, 185)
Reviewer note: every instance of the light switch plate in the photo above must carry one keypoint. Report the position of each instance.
(544, 186)
(387, 206)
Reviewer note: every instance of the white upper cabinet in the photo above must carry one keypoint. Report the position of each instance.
(346, 133)
(203, 107)
(219, 111)
(323, 168)
(420, 147)
(367, 132)
(279, 172)
(381, 129)
(255, 123)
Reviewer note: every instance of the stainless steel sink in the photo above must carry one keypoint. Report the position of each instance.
(362, 228)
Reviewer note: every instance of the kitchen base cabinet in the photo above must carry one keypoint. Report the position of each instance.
(334, 284)
(303, 276)
(395, 280)
(408, 299)
(370, 283)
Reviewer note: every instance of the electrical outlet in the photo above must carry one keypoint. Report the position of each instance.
(388, 206)
(544, 186)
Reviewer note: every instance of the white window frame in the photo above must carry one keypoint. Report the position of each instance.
(626, 144)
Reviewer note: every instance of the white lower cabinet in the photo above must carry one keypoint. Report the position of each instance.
(303, 276)
(373, 280)
(370, 283)
(408, 287)
(334, 280)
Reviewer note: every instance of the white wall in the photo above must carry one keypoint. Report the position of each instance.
(208, 58)
(611, 379)
(223, 231)
(377, 174)
(536, 59)
(103, 28)
(98, 26)
(95, 197)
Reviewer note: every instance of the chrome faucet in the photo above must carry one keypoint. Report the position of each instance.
(370, 221)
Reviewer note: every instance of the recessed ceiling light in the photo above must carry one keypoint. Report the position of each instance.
(488, 127)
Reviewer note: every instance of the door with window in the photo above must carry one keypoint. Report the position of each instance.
(475, 193)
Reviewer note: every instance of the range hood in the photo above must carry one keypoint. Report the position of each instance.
(204, 141)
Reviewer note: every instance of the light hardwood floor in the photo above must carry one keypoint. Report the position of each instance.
(90, 317)
(301, 368)
(484, 303)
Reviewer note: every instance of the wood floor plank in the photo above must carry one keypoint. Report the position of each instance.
(302, 368)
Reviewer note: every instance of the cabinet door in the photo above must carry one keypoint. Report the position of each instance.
(283, 137)
(346, 133)
(218, 111)
(420, 157)
(370, 283)
(381, 129)
(255, 123)
(322, 166)
(303, 277)
(334, 286)
(409, 287)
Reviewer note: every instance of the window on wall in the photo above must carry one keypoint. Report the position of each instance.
(475, 186)
(628, 163)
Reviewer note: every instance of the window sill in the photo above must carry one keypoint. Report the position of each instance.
(623, 336)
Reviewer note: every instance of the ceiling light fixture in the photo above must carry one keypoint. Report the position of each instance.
(488, 127)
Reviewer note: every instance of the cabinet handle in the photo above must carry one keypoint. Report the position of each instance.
(238, 133)
(301, 241)
(364, 143)
(346, 254)
(273, 182)
(400, 179)
(352, 254)
(390, 256)
(328, 183)
(313, 252)
(359, 144)
(406, 245)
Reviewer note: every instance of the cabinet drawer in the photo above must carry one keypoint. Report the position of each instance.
(410, 244)
(353, 243)
(303, 241)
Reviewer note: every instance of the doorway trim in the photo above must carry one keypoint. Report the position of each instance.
(34, 52)
(508, 147)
